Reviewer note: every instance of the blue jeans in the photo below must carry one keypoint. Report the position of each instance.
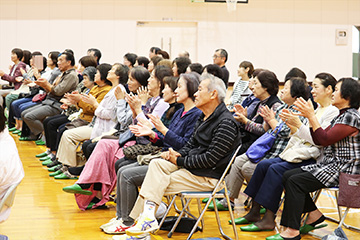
(265, 186)
(20, 105)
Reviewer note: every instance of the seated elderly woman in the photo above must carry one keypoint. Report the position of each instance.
(99, 176)
(105, 118)
(341, 155)
(181, 127)
(243, 168)
(265, 186)
(11, 168)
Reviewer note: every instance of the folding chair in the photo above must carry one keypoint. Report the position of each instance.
(219, 191)
(8, 199)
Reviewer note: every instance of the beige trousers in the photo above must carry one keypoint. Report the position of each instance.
(164, 177)
(66, 152)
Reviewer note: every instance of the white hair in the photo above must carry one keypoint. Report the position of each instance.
(215, 84)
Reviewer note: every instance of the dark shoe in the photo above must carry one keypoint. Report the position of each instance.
(55, 168)
(312, 226)
(65, 175)
(53, 174)
(53, 163)
(279, 237)
(253, 228)
(76, 189)
(240, 220)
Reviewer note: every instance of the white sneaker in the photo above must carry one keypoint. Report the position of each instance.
(116, 227)
(126, 237)
(143, 225)
(108, 223)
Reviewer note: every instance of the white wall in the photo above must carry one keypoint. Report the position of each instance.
(273, 34)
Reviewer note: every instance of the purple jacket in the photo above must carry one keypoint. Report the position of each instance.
(17, 73)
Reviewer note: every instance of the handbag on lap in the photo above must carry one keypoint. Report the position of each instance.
(262, 145)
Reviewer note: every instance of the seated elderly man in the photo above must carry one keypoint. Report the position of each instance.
(66, 82)
(198, 165)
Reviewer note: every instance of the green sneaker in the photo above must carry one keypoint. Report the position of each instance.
(12, 129)
(16, 131)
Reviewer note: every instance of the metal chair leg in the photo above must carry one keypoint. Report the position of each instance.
(231, 214)
(167, 210)
(179, 218)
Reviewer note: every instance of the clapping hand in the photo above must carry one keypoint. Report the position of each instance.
(90, 99)
(119, 94)
(241, 113)
(305, 108)
(140, 130)
(159, 125)
(143, 94)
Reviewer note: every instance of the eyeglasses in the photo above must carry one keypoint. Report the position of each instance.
(216, 56)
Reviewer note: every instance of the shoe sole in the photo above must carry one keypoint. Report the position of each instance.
(147, 231)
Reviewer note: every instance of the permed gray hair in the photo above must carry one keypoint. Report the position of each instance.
(215, 84)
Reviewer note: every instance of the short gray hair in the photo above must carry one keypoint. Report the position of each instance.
(215, 84)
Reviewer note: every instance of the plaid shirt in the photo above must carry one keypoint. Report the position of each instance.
(283, 137)
(343, 156)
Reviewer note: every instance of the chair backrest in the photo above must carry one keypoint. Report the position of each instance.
(8, 199)
(218, 185)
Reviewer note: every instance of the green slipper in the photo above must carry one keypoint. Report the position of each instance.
(262, 210)
(55, 168)
(240, 220)
(64, 176)
(40, 155)
(45, 158)
(205, 200)
(90, 205)
(40, 143)
(16, 131)
(279, 237)
(53, 174)
(26, 139)
(219, 204)
(307, 228)
(253, 228)
(46, 162)
(12, 129)
(19, 133)
(76, 189)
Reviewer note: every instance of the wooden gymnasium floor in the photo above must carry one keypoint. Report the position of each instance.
(43, 211)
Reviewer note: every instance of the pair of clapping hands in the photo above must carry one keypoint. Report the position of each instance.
(290, 118)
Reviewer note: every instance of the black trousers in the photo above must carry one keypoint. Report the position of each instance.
(298, 184)
(51, 125)
(88, 148)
